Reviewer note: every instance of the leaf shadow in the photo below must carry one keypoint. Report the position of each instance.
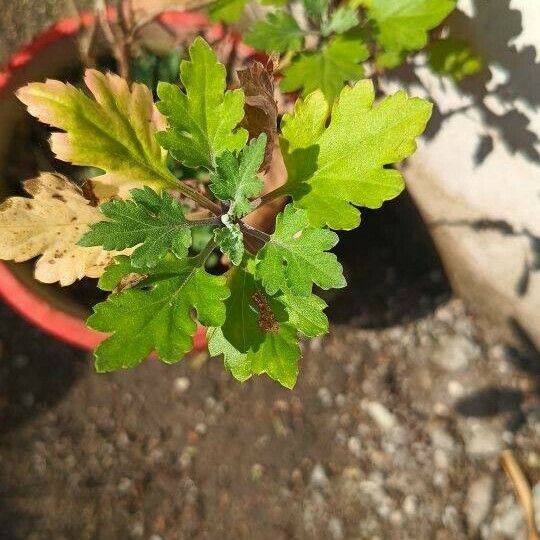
(511, 402)
(505, 229)
(491, 30)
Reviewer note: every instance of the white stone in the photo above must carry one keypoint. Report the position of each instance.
(335, 528)
(455, 353)
(318, 476)
(181, 384)
(481, 440)
(410, 505)
(354, 446)
(479, 501)
(380, 414)
(510, 523)
(325, 397)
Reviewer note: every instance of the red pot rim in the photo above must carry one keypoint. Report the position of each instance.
(35, 309)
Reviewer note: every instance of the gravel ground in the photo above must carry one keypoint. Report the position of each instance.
(391, 434)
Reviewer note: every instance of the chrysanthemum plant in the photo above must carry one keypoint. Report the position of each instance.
(133, 225)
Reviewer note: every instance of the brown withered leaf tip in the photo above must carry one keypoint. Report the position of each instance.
(260, 108)
(89, 194)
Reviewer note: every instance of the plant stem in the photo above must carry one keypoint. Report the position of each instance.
(260, 201)
(252, 231)
(204, 222)
(199, 198)
(206, 252)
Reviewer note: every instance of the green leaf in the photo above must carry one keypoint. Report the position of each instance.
(235, 179)
(114, 132)
(227, 11)
(157, 314)
(390, 59)
(295, 256)
(454, 58)
(203, 120)
(341, 20)
(350, 157)
(404, 24)
(279, 32)
(237, 363)
(155, 221)
(327, 69)
(316, 9)
(241, 327)
(277, 357)
(114, 273)
(231, 242)
(256, 337)
(306, 314)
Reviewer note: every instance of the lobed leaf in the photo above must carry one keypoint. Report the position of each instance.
(157, 314)
(235, 179)
(327, 69)
(332, 170)
(306, 314)
(231, 242)
(279, 32)
(155, 221)
(342, 19)
(202, 121)
(257, 336)
(114, 132)
(295, 256)
(49, 226)
(404, 24)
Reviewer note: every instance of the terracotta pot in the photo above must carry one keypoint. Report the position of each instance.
(51, 52)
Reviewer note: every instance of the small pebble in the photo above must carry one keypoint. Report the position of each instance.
(257, 471)
(410, 504)
(381, 415)
(335, 528)
(325, 397)
(478, 502)
(354, 446)
(181, 384)
(124, 486)
(318, 476)
(201, 428)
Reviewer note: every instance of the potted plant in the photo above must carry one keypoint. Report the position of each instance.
(273, 190)
(60, 50)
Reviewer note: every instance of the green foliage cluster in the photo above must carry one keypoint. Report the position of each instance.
(329, 44)
(337, 160)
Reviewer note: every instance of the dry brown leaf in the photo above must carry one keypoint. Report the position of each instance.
(260, 107)
(50, 224)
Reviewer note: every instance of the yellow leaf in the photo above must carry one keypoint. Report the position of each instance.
(50, 224)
